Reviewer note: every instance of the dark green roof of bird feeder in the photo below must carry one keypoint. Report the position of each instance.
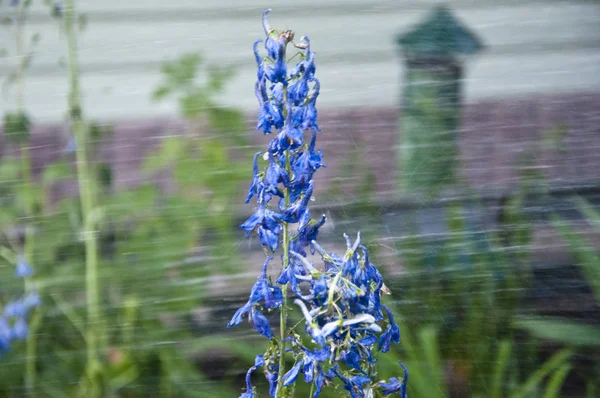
(440, 35)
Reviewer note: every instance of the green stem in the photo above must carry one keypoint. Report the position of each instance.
(20, 72)
(29, 203)
(283, 312)
(31, 343)
(286, 258)
(94, 331)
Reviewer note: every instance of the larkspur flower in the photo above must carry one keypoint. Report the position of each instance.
(309, 112)
(23, 269)
(260, 73)
(394, 385)
(269, 115)
(266, 223)
(5, 335)
(258, 362)
(262, 291)
(391, 334)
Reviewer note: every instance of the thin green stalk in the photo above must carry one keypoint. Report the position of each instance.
(283, 312)
(286, 256)
(94, 332)
(29, 202)
(20, 72)
(31, 343)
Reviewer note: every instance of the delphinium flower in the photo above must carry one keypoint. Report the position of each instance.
(344, 319)
(13, 318)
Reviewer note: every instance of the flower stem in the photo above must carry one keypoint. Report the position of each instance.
(29, 202)
(94, 331)
(286, 259)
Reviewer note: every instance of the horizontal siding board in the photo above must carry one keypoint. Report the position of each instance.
(116, 94)
(119, 42)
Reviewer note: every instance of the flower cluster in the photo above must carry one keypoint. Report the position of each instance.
(341, 300)
(13, 319)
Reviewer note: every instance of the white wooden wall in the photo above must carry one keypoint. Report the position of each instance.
(534, 47)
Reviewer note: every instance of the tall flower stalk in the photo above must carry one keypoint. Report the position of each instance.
(90, 211)
(17, 127)
(344, 319)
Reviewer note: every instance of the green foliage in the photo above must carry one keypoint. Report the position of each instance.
(432, 374)
(465, 292)
(560, 330)
(146, 237)
(17, 126)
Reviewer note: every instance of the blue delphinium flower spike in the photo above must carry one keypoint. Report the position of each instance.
(339, 299)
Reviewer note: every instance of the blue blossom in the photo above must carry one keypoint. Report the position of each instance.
(291, 376)
(258, 362)
(269, 115)
(307, 233)
(352, 384)
(297, 209)
(272, 374)
(305, 163)
(264, 291)
(274, 176)
(290, 137)
(394, 385)
(306, 66)
(5, 335)
(19, 329)
(260, 323)
(260, 72)
(277, 71)
(309, 115)
(23, 269)
(256, 178)
(71, 146)
(266, 223)
(391, 334)
(298, 91)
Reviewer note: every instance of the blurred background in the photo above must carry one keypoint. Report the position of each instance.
(461, 138)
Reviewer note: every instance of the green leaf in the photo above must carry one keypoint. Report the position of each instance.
(228, 120)
(556, 381)
(160, 93)
(56, 172)
(583, 252)
(10, 170)
(171, 149)
(99, 132)
(134, 201)
(557, 360)
(105, 175)
(218, 76)
(502, 360)
(16, 127)
(192, 105)
(592, 215)
(183, 70)
(560, 330)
